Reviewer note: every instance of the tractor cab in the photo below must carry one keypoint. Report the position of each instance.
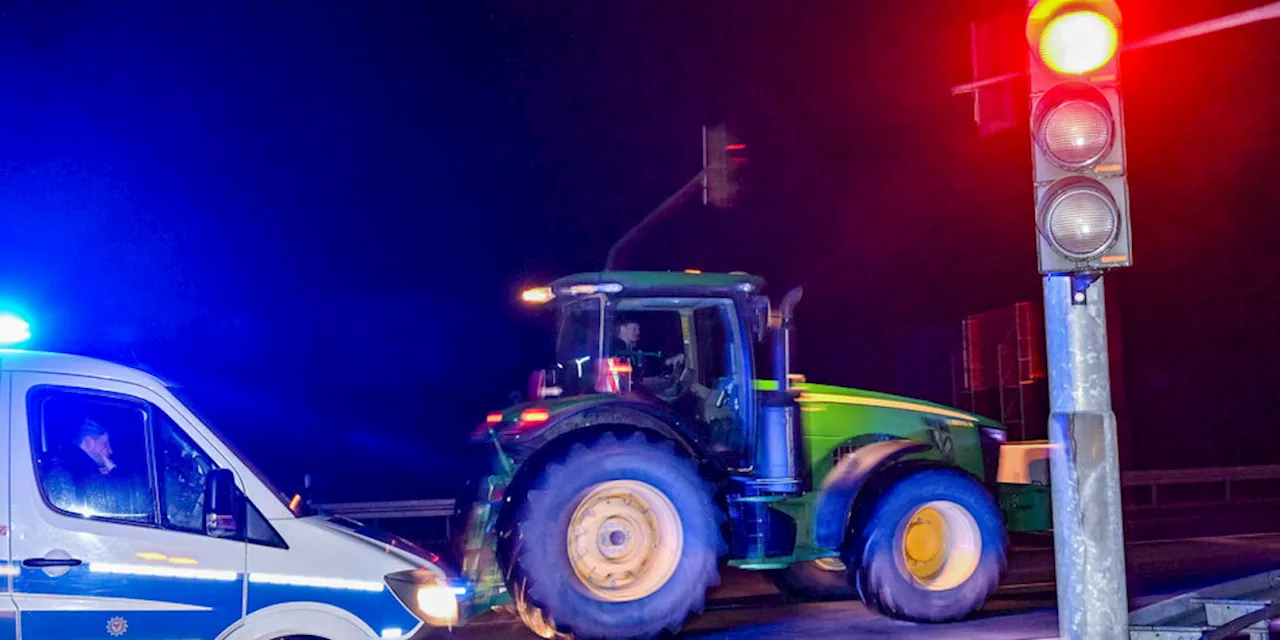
(683, 341)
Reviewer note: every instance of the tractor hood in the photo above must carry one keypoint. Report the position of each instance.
(820, 394)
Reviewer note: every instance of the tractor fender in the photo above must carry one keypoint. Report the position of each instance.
(840, 488)
(643, 416)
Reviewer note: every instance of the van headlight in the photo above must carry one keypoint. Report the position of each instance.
(430, 597)
(438, 602)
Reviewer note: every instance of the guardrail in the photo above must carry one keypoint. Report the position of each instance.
(1225, 477)
(1028, 463)
(396, 509)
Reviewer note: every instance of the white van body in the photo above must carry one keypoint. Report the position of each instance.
(154, 568)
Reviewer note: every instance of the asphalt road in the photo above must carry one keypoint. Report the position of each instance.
(746, 605)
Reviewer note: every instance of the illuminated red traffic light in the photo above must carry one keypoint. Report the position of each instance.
(1078, 42)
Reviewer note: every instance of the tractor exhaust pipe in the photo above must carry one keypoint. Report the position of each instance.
(777, 460)
(782, 339)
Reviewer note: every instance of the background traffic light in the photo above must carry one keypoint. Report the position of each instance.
(1077, 125)
(723, 157)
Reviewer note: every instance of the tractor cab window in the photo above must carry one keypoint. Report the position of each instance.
(688, 353)
(579, 344)
(650, 335)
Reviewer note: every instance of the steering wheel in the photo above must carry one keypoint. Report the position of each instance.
(677, 381)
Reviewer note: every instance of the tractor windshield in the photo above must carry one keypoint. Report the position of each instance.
(579, 344)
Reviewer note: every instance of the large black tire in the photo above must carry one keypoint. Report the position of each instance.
(814, 581)
(540, 571)
(882, 578)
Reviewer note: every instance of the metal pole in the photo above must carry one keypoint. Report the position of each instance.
(667, 206)
(1088, 534)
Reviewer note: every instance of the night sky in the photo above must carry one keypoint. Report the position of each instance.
(316, 216)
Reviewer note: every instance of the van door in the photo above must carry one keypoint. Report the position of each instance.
(8, 611)
(108, 493)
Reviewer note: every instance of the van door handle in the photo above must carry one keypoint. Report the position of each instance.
(41, 563)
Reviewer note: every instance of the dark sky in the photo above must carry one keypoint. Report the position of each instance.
(316, 215)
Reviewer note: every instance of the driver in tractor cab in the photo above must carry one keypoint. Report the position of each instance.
(625, 345)
(703, 404)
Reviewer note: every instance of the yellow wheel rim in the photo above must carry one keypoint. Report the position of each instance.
(940, 545)
(624, 540)
(923, 543)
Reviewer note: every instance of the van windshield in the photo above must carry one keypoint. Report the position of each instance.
(300, 508)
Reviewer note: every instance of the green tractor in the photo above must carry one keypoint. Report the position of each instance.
(659, 445)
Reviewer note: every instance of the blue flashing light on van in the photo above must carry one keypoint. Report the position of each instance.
(13, 330)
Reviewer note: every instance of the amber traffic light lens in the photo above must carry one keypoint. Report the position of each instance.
(1078, 42)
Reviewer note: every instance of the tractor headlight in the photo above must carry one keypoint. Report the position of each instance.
(431, 598)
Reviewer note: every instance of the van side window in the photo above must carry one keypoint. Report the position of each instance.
(259, 531)
(91, 455)
(182, 468)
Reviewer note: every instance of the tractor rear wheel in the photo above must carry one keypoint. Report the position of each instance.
(617, 538)
(931, 549)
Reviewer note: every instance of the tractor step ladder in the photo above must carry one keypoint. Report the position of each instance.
(1240, 607)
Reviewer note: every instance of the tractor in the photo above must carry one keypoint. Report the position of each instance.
(671, 438)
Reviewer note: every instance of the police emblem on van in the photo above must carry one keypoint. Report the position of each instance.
(117, 627)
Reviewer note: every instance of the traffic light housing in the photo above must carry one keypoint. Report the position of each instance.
(1077, 129)
(723, 157)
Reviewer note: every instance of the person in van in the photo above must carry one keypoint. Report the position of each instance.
(82, 477)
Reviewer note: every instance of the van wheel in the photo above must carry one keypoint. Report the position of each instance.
(931, 549)
(617, 539)
(814, 580)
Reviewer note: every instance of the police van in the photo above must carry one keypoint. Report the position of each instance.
(123, 515)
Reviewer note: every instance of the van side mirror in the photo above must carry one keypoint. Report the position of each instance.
(221, 504)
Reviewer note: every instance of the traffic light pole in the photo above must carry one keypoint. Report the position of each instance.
(1088, 534)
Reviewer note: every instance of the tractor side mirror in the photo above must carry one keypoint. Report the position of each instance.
(759, 316)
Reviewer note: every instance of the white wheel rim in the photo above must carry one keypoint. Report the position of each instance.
(625, 540)
(958, 546)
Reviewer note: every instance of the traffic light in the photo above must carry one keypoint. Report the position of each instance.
(723, 157)
(1077, 125)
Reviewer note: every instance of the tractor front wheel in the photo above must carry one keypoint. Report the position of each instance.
(617, 538)
(931, 549)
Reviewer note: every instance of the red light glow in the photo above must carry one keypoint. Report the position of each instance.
(534, 416)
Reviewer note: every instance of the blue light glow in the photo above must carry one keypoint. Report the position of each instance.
(13, 330)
